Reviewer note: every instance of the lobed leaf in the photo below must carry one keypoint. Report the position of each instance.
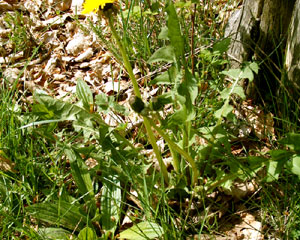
(67, 111)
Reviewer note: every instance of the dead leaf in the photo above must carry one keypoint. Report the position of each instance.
(12, 74)
(249, 229)
(5, 163)
(255, 120)
(240, 190)
(86, 55)
(61, 5)
(77, 44)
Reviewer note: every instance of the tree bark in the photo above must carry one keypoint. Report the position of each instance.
(292, 61)
(259, 31)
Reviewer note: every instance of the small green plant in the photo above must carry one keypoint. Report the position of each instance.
(119, 162)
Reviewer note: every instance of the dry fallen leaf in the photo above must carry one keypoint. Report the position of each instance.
(249, 229)
(240, 190)
(61, 5)
(5, 163)
(77, 44)
(12, 74)
(11, 1)
(255, 120)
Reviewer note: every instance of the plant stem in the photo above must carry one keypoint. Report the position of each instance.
(175, 160)
(138, 94)
(181, 151)
(192, 39)
(124, 56)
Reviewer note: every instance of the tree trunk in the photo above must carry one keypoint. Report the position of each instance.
(292, 61)
(259, 30)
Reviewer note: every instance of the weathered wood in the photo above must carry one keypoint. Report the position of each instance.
(292, 61)
(242, 28)
(259, 30)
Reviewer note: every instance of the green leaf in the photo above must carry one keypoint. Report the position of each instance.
(84, 94)
(256, 162)
(102, 101)
(188, 89)
(42, 111)
(225, 93)
(161, 79)
(296, 165)
(62, 111)
(247, 73)
(292, 141)
(272, 171)
(179, 4)
(223, 111)
(248, 69)
(59, 213)
(157, 103)
(275, 166)
(164, 34)
(221, 46)
(254, 66)
(185, 4)
(178, 117)
(142, 231)
(137, 104)
(232, 73)
(67, 111)
(165, 54)
(107, 103)
(280, 155)
(174, 32)
(87, 234)
(110, 204)
(168, 77)
(191, 86)
(54, 233)
(237, 90)
(118, 108)
(81, 175)
(4, 186)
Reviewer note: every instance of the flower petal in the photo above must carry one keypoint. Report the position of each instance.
(93, 5)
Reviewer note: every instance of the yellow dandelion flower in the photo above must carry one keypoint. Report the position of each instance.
(93, 5)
